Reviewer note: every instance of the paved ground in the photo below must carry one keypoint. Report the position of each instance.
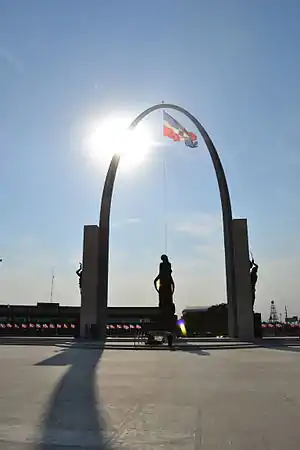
(58, 397)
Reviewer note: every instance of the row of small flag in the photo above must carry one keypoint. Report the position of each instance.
(37, 325)
(280, 325)
(124, 327)
(58, 325)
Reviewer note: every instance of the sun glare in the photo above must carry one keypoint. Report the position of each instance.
(112, 137)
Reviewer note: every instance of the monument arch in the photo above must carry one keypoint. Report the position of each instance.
(104, 224)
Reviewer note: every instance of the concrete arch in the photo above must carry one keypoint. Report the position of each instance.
(104, 224)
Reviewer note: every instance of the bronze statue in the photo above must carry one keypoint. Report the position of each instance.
(165, 286)
(164, 283)
(253, 277)
(79, 274)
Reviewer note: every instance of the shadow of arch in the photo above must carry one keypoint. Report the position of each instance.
(194, 351)
(287, 345)
(104, 225)
(72, 418)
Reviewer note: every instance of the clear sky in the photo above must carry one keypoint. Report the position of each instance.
(66, 65)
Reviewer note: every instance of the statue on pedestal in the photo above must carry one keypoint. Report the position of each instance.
(165, 286)
(253, 277)
(79, 274)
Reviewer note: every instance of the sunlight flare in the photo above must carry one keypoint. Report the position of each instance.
(112, 136)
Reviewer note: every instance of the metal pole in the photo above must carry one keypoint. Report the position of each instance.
(52, 286)
(165, 204)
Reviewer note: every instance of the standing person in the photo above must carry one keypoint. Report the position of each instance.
(170, 340)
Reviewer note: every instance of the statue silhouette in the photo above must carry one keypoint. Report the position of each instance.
(253, 277)
(165, 286)
(79, 274)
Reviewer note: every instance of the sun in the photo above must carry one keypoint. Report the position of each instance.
(112, 136)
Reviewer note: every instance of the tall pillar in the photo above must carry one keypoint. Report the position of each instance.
(88, 310)
(245, 317)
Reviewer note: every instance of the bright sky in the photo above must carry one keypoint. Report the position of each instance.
(66, 66)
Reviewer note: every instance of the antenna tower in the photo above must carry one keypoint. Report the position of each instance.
(285, 313)
(273, 313)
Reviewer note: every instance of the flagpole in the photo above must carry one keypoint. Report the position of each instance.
(165, 202)
(165, 196)
(52, 286)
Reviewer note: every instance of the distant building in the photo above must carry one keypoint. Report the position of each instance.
(53, 319)
(212, 320)
(206, 320)
(292, 319)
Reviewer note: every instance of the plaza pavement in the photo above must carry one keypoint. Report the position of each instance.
(212, 395)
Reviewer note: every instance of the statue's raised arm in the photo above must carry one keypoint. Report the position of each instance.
(79, 271)
(172, 285)
(156, 279)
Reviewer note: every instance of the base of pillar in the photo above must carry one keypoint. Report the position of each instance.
(93, 332)
(167, 321)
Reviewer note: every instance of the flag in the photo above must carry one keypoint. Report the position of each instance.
(175, 131)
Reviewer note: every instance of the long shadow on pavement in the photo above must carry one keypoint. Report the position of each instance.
(195, 351)
(36, 340)
(177, 346)
(73, 419)
(286, 345)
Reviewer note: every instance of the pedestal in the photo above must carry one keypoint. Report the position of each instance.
(242, 280)
(89, 280)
